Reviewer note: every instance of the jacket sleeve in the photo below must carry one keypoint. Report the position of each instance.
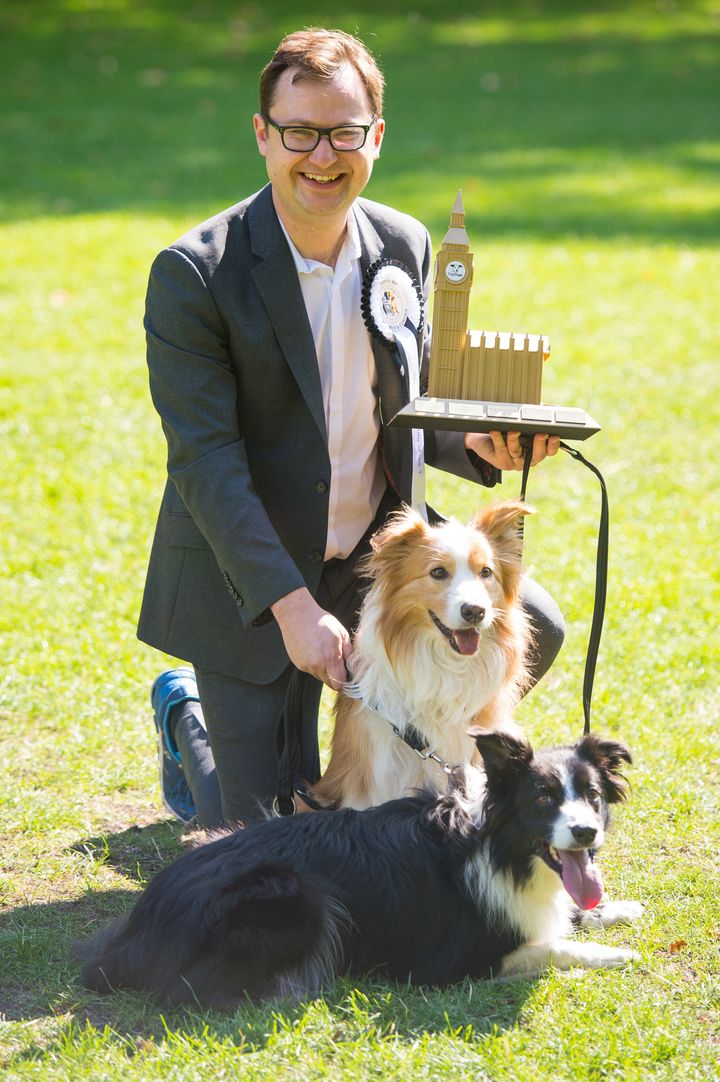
(195, 390)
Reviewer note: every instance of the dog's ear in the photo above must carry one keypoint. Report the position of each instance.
(404, 529)
(404, 525)
(607, 756)
(503, 754)
(500, 523)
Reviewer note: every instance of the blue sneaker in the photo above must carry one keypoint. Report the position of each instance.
(171, 688)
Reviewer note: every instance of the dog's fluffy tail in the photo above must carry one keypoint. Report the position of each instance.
(268, 933)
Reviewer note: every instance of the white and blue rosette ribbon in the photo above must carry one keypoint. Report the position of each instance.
(392, 306)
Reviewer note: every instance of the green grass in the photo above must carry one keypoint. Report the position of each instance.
(586, 139)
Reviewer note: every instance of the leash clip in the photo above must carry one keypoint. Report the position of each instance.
(423, 753)
(280, 814)
(447, 767)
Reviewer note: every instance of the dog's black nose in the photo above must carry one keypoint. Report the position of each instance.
(584, 835)
(472, 614)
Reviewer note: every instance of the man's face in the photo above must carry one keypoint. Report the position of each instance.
(317, 187)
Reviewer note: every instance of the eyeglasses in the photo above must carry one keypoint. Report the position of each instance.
(304, 140)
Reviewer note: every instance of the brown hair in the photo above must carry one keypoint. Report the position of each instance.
(318, 54)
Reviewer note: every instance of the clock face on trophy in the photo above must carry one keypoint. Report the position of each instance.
(455, 270)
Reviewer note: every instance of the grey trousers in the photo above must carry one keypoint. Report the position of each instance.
(236, 780)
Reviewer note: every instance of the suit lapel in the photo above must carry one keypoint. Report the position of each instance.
(277, 283)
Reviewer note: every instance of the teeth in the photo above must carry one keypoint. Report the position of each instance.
(321, 178)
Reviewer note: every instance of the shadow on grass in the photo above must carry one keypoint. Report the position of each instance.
(146, 109)
(138, 852)
(35, 940)
(41, 981)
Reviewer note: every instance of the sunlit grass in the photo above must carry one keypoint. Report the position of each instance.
(586, 144)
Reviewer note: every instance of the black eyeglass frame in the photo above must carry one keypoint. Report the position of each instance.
(282, 128)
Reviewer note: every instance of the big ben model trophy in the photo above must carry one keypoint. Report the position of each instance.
(453, 281)
(482, 381)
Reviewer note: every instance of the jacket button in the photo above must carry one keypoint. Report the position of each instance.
(315, 556)
(231, 587)
(321, 487)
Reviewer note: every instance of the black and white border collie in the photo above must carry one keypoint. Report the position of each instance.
(485, 880)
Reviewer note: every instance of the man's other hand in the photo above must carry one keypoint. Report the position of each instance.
(316, 642)
(506, 451)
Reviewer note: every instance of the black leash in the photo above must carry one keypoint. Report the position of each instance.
(296, 746)
(601, 566)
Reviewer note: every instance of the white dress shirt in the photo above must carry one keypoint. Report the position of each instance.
(349, 386)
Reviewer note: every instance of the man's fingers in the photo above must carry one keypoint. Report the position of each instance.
(516, 449)
(544, 447)
(336, 646)
(336, 673)
(501, 452)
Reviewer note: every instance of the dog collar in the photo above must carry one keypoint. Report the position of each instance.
(409, 735)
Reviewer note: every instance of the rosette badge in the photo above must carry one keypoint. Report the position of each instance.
(392, 307)
(391, 300)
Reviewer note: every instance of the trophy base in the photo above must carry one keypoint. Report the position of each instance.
(460, 416)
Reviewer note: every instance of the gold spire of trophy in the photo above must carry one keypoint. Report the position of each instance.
(481, 381)
(476, 365)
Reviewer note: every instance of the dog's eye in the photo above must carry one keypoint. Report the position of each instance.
(438, 573)
(594, 796)
(543, 797)
(486, 573)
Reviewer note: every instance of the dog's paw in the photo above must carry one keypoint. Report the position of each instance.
(620, 956)
(532, 959)
(608, 914)
(598, 956)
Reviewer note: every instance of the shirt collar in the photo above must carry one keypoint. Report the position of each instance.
(350, 250)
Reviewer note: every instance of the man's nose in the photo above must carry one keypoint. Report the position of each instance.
(323, 153)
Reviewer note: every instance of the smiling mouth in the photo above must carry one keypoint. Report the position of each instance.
(578, 871)
(464, 640)
(322, 178)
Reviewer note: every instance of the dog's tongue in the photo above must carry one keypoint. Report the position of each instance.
(467, 640)
(581, 877)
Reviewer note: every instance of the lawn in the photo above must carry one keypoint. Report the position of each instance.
(586, 139)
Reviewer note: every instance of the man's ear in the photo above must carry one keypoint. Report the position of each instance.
(502, 753)
(378, 133)
(261, 133)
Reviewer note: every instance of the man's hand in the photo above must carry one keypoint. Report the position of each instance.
(508, 454)
(315, 641)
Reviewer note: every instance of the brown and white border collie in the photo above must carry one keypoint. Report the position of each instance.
(441, 645)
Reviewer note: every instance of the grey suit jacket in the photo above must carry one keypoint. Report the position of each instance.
(234, 377)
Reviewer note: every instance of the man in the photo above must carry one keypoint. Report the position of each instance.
(273, 400)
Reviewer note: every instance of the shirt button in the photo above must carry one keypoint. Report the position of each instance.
(315, 556)
(321, 487)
